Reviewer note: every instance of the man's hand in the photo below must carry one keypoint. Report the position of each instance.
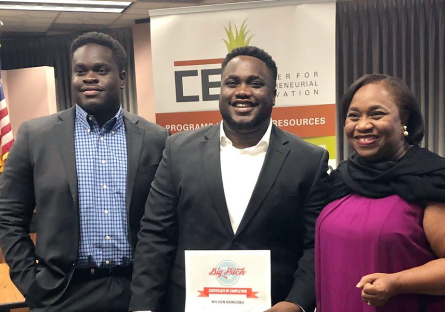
(284, 306)
(378, 288)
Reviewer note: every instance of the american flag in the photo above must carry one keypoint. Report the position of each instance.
(5, 126)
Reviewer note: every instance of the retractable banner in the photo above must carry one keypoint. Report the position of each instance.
(189, 44)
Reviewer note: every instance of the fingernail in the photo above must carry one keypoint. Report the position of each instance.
(358, 285)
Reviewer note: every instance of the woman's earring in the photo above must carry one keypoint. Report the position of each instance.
(405, 131)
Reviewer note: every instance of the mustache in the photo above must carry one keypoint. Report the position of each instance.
(91, 88)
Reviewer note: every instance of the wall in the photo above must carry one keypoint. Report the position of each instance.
(143, 71)
(30, 93)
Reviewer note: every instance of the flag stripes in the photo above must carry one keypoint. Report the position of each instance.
(5, 128)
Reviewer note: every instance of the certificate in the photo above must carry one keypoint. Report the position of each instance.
(227, 280)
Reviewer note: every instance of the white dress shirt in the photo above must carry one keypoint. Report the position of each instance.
(240, 169)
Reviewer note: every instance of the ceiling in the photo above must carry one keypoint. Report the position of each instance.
(27, 24)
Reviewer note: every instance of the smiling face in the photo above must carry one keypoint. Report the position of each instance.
(96, 80)
(373, 124)
(247, 94)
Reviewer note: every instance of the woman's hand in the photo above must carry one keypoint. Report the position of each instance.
(429, 278)
(378, 288)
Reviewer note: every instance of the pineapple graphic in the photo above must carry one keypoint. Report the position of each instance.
(239, 39)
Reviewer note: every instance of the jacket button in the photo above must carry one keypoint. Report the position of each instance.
(235, 243)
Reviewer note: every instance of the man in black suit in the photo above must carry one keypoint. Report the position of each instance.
(88, 172)
(244, 184)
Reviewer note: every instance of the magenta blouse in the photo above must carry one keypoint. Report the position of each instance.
(356, 236)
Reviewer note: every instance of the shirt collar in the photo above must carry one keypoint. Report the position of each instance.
(89, 122)
(224, 140)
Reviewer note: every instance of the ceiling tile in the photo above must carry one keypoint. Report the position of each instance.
(29, 14)
(80, 18)
(133, 17)
(150, 5)
(207, 2)
(25, 22)
(56, 22)
(135, 11)
(158, 5)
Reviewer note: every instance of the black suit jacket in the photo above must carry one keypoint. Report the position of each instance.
(186, 210)
(41, 172)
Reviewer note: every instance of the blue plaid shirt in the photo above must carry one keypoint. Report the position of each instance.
(101, 162)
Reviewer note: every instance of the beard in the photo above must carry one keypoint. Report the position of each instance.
(244, 127)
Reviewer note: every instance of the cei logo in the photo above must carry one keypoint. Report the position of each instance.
(236, 37)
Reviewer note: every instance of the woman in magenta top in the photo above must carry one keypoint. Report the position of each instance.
(380, 243)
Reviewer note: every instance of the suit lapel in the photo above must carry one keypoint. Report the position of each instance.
(64, 131)
(275, 157)
(135, 136)
(211, 161)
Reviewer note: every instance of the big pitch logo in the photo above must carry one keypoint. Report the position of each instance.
(199, 69)
(227, 273)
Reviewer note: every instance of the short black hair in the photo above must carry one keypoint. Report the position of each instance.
(410, 113)
(119, 55)
(253, 52)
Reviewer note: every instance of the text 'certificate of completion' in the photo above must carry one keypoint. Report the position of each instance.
(227, 280)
